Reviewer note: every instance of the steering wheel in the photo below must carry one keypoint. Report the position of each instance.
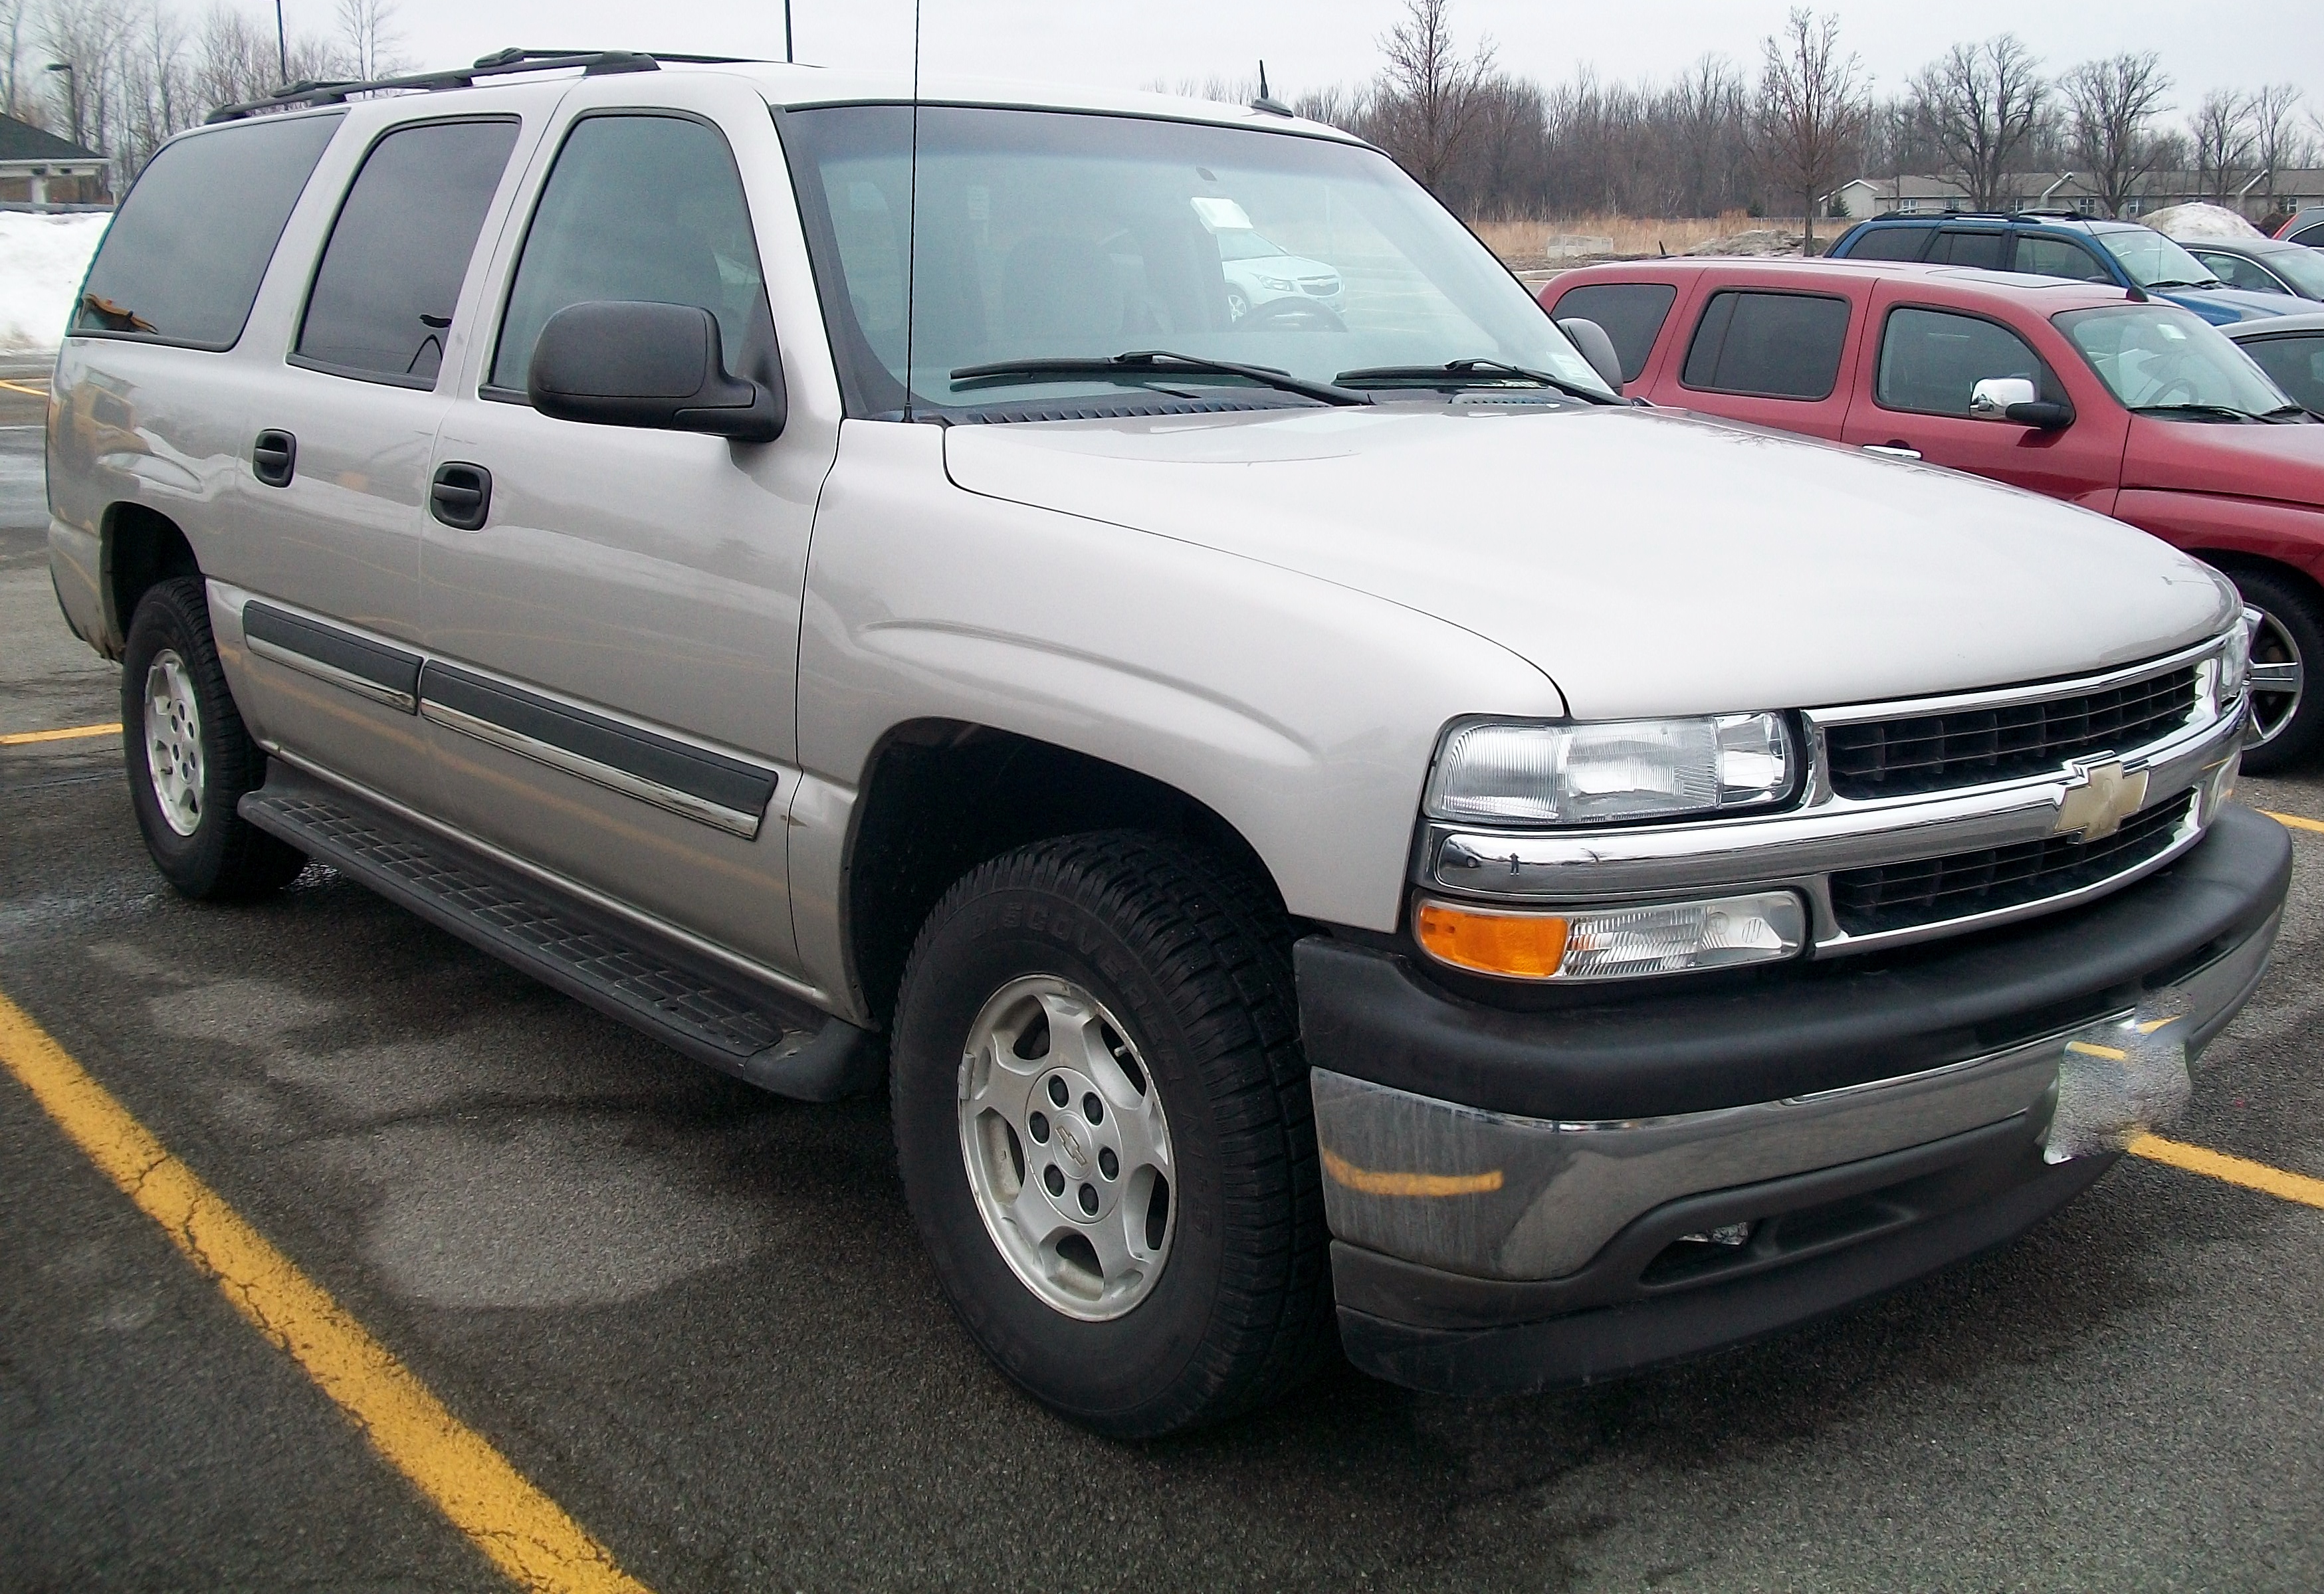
(1292, 314)
(2184, 387)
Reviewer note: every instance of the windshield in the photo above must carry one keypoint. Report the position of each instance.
(1056, 235)
(2160, 358)
(2153, 260)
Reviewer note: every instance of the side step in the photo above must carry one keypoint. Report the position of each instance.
(713, 1015)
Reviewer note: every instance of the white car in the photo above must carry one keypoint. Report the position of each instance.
(1335, 831)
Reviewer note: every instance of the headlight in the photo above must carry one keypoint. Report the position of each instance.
(1597, 774)
(2234, 658)
(1277, 284)
(1623, 942)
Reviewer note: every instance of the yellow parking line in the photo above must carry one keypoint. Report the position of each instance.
(2235, 1170)
(2294, 820)
(70, 732)
(38, 393)
(522, 1530)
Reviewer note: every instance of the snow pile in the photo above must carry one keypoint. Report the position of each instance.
(2186, 222)
(43, 259)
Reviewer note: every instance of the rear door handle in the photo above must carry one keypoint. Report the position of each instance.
(461, 495)
(274, 458)
(1896, 450)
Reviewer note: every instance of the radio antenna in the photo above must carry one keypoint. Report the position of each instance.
(912, 218)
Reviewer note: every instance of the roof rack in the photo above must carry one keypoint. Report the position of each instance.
(2055, 213)
(593, 63)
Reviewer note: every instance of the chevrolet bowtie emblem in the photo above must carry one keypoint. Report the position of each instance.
(2098, 798)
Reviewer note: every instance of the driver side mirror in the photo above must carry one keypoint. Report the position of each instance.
(627, 363)
(1596, 348)
(2015, 400)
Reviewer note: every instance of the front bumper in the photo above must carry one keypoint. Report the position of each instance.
(1509, 1190)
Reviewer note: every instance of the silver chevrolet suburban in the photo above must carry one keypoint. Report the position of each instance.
(1117, 617)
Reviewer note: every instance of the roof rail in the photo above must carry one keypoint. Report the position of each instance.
(593, 63)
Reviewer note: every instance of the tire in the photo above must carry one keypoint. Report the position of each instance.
(2292, 632)
(1183, 972)
(177, 718)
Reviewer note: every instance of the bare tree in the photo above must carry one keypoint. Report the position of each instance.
(1982, 105)
(2277, 142)
(2224, 138)
(367, 29)
(1428, 96)
(2113, 104)
(1813, 110)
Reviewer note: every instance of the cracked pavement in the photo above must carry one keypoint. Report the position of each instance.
(696, 1316)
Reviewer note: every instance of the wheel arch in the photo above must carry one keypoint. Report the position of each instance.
(941, 796)
(139, 546)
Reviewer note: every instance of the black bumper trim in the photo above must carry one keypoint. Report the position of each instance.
(1616, 1341)
(1367, 1013)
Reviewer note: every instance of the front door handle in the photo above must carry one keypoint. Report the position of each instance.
(274, 458)
(461, 495)
(1896, 449)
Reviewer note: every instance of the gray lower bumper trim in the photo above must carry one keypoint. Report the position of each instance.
(1500, 1197)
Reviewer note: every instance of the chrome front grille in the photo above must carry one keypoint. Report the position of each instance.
(1922, 817)
(1974, 746)
(1893, 896)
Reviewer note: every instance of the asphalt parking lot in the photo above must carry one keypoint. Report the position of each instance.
(695, 1316)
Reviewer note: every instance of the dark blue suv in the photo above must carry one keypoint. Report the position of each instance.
(2120, 251)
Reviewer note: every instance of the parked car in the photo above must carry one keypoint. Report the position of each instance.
(2120, 253)
(2305, 226)
(2138, 410)
(1333, 830)
(2262, 266)
(1263, 276)
(2291, 350)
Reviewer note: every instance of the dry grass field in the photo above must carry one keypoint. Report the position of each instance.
(1534, 245)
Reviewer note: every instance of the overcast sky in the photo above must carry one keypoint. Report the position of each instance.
(1309, 43)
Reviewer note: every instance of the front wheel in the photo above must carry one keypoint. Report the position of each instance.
(190, 758)
(2287, 722)
(1103, 1119)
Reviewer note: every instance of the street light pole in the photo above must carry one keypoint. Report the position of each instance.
(72, 95)
(787, 30)
(281, 45)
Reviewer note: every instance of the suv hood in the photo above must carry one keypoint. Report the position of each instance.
(1645, 561)
(2224, 307)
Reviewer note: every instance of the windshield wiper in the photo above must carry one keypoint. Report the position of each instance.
(2176, 282)
(1437, 376)
(1150, 362)
(2225, 411)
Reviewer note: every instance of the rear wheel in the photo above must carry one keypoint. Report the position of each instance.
(189, 758)
(2287, 721)
(1102, 1119)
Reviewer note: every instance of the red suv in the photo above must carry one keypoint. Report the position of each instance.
(2133, 408)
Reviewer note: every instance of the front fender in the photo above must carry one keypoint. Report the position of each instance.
(2284, 533)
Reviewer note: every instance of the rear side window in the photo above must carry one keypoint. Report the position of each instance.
(1962, 248)
(2059, 257)
(2311, 236)
(1631, 313)
(383, 295)
(182, 262)
(1889, 244)
(1931, 361)
(1778, 345)
(2297, 365)
(641, 208)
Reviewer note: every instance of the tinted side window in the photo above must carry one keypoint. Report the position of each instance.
(1782, 345)
(2297, 365)
(1931, 362)
(2311, 236)
(1631, 313)
(1889, 244)
(1963, 248)
(182, 261)
(2058, 257)
(641, 208)
(391, 272)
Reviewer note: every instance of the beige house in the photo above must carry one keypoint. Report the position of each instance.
(38, 167)
(2069, 190)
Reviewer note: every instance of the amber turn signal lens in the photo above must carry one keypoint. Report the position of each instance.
(1529, 945)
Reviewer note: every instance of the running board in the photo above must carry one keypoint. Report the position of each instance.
(755, 1033)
